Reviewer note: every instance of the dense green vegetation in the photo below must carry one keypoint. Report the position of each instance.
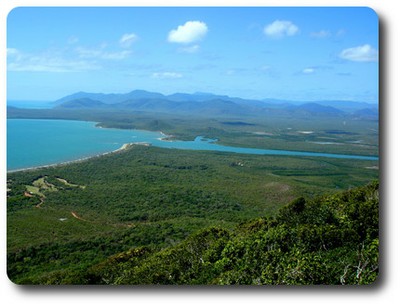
(328, 240)
(65, 222)
(148, 215)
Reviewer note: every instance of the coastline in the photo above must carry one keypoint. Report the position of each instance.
(96, 125)
(171, 138)
(124, 147)
(166, 137)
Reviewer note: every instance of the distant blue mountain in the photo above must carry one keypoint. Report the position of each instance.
(345, 105)
(82, 103)
(111, 98)
(367, 113)
(211, 104)
(315, 108)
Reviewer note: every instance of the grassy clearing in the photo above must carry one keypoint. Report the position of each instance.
(33, 190)
(66, 183)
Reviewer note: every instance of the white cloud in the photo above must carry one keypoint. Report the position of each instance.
(308, 70)
(320, 34)
(128, 39)
(55, 65)
(364, 53)
(46, 62)
(190, 32)
(13, 53)
(100, 53)
(88, 53)
(166, 75)
(120, 55)
(281, 28)
(71, 59)
(190, 49)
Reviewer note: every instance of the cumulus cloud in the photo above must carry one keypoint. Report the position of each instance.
(166, 75)
(127, 40)
(190, 32)
(364, 53)
(281, 28)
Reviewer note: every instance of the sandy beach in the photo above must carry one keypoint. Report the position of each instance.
(166, 137)
(125, 146)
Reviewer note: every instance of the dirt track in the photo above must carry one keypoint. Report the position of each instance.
(76, 216)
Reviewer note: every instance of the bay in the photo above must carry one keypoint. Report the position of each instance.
(37, 142)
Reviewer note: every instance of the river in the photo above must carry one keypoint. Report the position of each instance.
(37, 142)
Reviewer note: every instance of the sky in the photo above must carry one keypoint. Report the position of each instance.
(298, 53)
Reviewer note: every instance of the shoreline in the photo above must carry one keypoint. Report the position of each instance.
(165, 137)
(171, 138)
(124, 147)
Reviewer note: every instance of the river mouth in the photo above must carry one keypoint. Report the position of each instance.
(36, 142)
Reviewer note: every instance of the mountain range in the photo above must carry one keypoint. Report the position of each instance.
(211, 104)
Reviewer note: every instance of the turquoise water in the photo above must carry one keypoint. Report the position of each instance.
(36, 142)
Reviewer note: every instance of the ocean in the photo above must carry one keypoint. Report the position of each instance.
(36, 142)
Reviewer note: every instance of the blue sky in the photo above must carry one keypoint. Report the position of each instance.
(260, 52)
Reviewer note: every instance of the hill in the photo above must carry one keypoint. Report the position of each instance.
(329, 240)
(63, 221)
(315, 109)
(112, 98)
(344, 105)
(82, 103)
(207, 104)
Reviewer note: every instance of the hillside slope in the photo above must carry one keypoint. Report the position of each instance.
(329, 240)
